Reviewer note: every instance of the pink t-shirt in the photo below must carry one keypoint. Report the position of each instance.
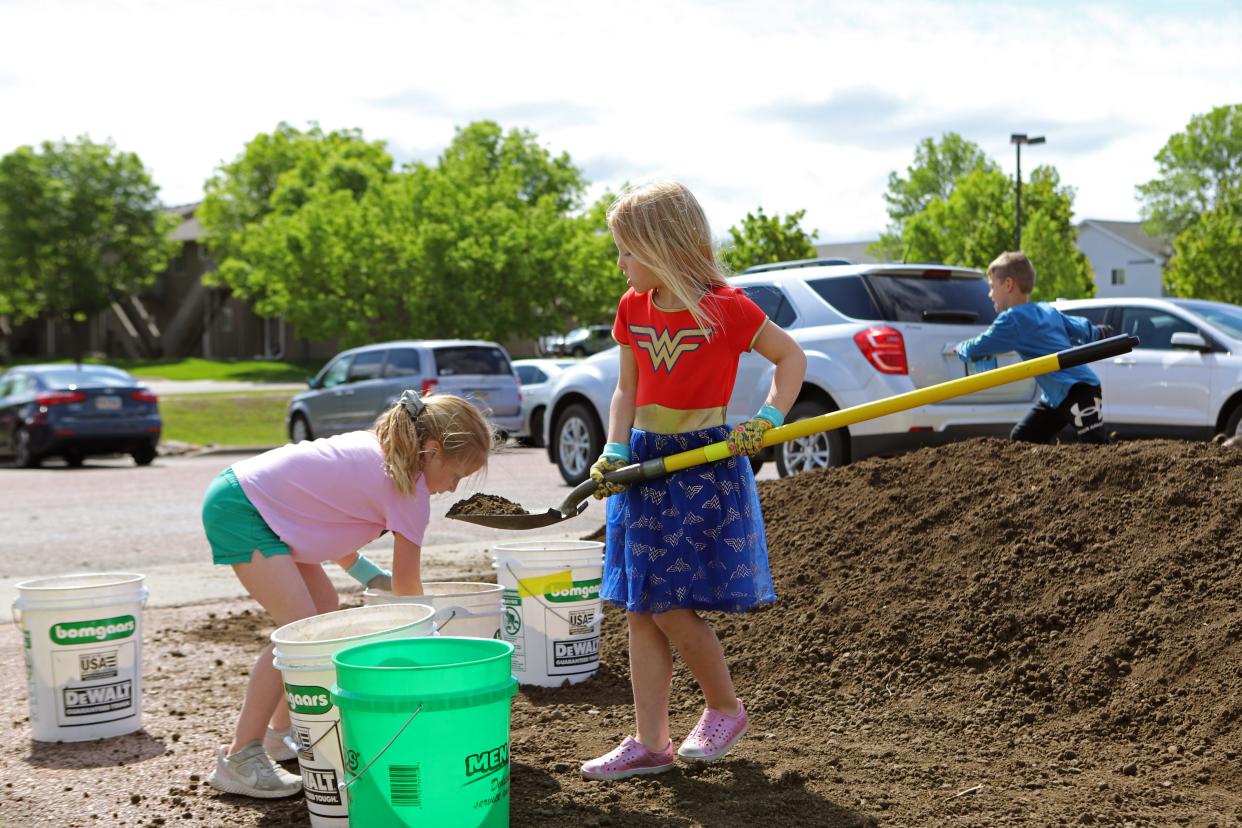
(329, 497)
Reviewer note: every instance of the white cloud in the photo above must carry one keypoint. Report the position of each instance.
(800, 106)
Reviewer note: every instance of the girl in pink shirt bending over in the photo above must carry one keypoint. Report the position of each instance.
(277, 517)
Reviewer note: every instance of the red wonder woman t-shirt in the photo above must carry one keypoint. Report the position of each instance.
(681, 364)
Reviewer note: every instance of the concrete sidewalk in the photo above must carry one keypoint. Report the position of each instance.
(176, 585)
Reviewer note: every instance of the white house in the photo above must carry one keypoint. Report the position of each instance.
(1126, 261)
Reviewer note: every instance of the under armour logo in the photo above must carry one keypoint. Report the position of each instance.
(1092, 411)
(665, 349)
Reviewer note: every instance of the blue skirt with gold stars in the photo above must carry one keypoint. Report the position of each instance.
(691, 540)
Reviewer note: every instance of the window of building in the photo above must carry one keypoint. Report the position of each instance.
(1119, 275)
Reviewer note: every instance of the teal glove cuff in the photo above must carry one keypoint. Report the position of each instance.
(364, 569)
(616, 451)
(772, 415)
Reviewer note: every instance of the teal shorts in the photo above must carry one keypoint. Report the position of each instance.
(235, 529)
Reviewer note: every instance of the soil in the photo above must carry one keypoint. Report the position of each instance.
(485, 504)
(976, 635)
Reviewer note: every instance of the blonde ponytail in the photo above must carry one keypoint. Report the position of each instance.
(403, 429)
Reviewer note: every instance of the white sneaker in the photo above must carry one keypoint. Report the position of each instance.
(251, 772)
(280, 744)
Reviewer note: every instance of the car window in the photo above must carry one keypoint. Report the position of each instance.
(773, 302)
(471, 359)
(848, 295)
(529, 375)
(402, 362)
(337, 372)
(1226, 317)
(367, 365)
(5, 384)
(1094, 315)
(1154, 328)
(87, 377)
(932, 299)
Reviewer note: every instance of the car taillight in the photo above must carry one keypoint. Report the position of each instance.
(884, 349)
(144, 396)
(429, 386)
(50, 398)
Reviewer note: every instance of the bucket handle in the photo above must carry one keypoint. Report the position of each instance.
(446, 614)
(596, 620)
(17, 615)
(343, 785)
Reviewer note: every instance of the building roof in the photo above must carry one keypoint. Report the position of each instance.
(189, 230)
(855, 251)
(1132, 233)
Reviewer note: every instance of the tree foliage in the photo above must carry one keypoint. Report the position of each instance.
(488, 242)
(936, 169)
(1207, 256)
(1199, 169)
(975, 223)
(764, 239)
(80, 222)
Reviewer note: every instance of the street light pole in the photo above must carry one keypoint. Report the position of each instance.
(1018, 139)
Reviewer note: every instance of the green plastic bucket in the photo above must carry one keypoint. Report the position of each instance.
(426, 728)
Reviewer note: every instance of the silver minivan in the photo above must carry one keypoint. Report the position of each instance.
(356, 385)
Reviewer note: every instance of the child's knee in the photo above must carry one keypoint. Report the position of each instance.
(675, 620)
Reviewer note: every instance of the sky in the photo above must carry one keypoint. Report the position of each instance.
(785, 106)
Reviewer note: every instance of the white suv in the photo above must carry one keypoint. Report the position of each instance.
(869, 331)
(1185, 377)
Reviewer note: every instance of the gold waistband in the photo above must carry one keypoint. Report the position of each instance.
(660, 419)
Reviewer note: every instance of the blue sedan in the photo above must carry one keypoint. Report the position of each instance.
(74, 411)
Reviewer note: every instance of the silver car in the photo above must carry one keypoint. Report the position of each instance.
(356, 385)
(536, 376)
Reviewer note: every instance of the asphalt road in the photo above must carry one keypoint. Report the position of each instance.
(110, 515)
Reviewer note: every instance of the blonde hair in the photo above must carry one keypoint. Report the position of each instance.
(662, 225)
(460, 429)
(1014, 264)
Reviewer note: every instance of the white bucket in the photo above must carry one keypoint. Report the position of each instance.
(83, 644)
(552, 608)
(303, 654)
(463, 609)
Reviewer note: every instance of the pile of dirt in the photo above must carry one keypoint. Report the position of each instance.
(981, 634)
(485, 504)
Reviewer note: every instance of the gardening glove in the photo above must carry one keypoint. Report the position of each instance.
(365, 572)
(747, 438)
(615, 456)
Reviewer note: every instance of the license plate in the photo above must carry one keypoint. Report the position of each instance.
(107, 403)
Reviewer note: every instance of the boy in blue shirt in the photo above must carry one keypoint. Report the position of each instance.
(1034, 329)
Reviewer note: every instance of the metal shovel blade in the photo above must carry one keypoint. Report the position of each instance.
(530, 520)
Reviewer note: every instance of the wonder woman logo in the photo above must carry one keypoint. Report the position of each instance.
(665, 349)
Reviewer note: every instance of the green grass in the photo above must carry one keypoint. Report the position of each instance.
(251, 419)
(193, 368)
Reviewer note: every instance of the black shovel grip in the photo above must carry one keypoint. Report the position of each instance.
(1092, 351)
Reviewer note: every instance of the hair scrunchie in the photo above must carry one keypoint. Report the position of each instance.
(412, 403)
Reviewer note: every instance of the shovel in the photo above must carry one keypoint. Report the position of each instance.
(576, 502)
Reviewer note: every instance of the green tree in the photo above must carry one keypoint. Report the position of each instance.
(936, 169)
(1207, 256)
(764, 239)
(1198, 169)
(974, 224)
(80, 222)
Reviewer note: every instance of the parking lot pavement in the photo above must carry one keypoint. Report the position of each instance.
(110, 515)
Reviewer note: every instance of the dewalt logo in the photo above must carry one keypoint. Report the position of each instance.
(309, 700)
(83, 632)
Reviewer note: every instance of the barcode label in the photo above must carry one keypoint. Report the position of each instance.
(404, 785)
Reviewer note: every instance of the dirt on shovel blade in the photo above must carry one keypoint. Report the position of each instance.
(485, 504)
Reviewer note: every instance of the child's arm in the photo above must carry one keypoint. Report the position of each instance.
(1081, 331)
(1001, 337)
(782, 351)
(363, 570)
(406, 566)
(616, 453)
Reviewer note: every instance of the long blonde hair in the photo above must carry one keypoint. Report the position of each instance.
(662, 225)
(403, 430)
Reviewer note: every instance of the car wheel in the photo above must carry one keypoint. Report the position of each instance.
(144, 455)
(23, 453)
(536, 428)
(816, 451)
(579, 440)
(299, 429)
(73, 460)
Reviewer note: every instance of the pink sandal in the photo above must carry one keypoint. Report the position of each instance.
(714, 735)
(631, 758)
